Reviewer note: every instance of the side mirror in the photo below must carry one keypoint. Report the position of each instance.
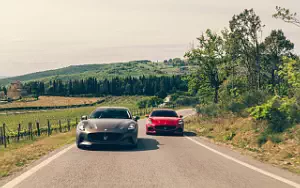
(147, 115)
(135, 118)
(84, 117)
(181, 116)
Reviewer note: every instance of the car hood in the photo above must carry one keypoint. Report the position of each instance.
(108, 124)
(164, 120)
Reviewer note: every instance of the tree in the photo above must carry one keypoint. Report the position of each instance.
(276, 46)
(286, 15)
(246, 28)
(209, 57)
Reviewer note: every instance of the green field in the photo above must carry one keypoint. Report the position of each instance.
(12, 120)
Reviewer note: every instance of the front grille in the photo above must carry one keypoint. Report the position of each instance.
(164, 127)
(104, 137)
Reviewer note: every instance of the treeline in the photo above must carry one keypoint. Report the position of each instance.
(117, 86)
(240, 71)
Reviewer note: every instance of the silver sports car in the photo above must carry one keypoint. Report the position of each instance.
(108, 126)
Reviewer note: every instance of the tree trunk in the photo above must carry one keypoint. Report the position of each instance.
(216, 99)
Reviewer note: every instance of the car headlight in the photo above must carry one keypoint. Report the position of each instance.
(180, 122)
(131, 127)
(149, 121)
(92, 126)
(81, 126)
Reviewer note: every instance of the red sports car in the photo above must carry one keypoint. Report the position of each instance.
(164, 121)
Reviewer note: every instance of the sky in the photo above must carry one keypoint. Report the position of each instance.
(37, 35)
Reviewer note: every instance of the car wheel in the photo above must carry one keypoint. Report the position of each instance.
(80, 146)
(180, 134)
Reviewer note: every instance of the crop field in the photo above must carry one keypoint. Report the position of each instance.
(12, 120)
(51, 101)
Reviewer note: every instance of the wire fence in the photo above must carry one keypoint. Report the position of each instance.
(36, 129)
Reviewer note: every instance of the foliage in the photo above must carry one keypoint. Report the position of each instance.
(209, 58)
(151, 102)
(286, 15)
(246, 28)
(262, 139)
(117, 86)
(210, 110)
(187, 101)
(279, 112)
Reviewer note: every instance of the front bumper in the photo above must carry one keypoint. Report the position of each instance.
(156, 129)
(106, 138)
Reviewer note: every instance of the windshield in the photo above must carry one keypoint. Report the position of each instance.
(164, 113)
(111, 114)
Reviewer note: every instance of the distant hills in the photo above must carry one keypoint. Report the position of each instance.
(101, 71)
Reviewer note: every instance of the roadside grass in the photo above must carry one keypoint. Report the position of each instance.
(249, 137)
(12, 120)
(17, 156)
(51, 101)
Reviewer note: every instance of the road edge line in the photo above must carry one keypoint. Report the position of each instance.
(34, 169)
(284, 180)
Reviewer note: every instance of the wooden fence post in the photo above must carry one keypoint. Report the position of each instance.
(69, 126)
(59, 123)
(49, 127)
(4, 136)
(1, 136)
(19, 130)
(30, 130)
(38, 128)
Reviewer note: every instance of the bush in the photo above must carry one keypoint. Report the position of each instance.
(252, 98)
(236, 107)
(187, 101)
(152, 102)
(262, 139)
(211, 110)
(229, 136)
(280, 113)
(275, 138)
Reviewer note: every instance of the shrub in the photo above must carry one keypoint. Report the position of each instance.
(262, 139)
(229, 136)
(280, 113)
(152, 102)
(236, 107)
(275, 138)
(186, 101)
(211, 110)
(253, 98)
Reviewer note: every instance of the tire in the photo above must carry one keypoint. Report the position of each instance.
(180, 134)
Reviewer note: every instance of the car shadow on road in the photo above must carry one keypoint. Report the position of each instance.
(144, 144)
(189, 134)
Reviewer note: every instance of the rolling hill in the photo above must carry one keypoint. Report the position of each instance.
(100, 71)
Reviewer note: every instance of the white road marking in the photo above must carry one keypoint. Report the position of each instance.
(291, 183)
(31, 171)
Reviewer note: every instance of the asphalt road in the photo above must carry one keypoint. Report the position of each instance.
(159, 161)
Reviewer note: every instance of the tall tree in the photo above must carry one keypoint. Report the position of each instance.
(246, 28)
(276, 46)
(209, 57)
